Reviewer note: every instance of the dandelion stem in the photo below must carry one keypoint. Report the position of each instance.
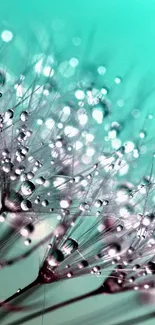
(20, 292)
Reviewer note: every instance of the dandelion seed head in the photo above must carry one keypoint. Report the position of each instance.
(66, 162)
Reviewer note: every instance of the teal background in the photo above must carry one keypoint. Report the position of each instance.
(120, 34)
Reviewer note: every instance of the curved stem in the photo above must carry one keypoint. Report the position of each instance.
(53, 308)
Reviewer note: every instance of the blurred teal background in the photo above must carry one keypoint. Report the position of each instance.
(119, 34)
(119, 31)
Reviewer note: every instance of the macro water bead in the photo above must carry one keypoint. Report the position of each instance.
(27, 188)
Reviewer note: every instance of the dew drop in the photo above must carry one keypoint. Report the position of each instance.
(40, 180)
(8, 115)
(30, 175)
(105, 202)
(114, 249)
(27, 188)
(142, 134)
(118, 80)
(27, 242)
(24, 116)
(26, 205)
(84, 206)
(98, 203)
(83, 264)
(21, 137)
(69, 274)
(95, 270)
(27, 230)
(55, 258)
(45, 203)
(7, 167)
(148, 220)
(150, 268)
(69, 246)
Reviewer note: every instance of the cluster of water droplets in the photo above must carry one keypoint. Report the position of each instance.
(65, 156)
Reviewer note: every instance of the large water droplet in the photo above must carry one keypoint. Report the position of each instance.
(69, 246)
(27, 188)
(55, 258)
(8, 115)
(26, 205)
(98, 203)
(27, 230)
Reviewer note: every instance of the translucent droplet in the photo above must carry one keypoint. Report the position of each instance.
(142, 134)
(26, 205)
(101, 70)
(7, 36)
(119, 228)
(95, 270)
(45, 203)
(74, 62)
(79, 94)
(69, 246)
(27, 188)
(21, 136)
(27, 242)
(83, 264)
(55, 258)
(105, 202)
(8, 115)
(97, 114)
(104, 91)
(65, 203)
(136, 288)
(114, 249)
(98, 203)
(30, 175)
(84, 206)
(40, 180)
(24, 116)
(69, 274)
(7, 167)
(131, 280)
(5, 152)
(19, 170)
(147, 220)
(136, 267)
(27, 230)
(118, 80)
(150, 268)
